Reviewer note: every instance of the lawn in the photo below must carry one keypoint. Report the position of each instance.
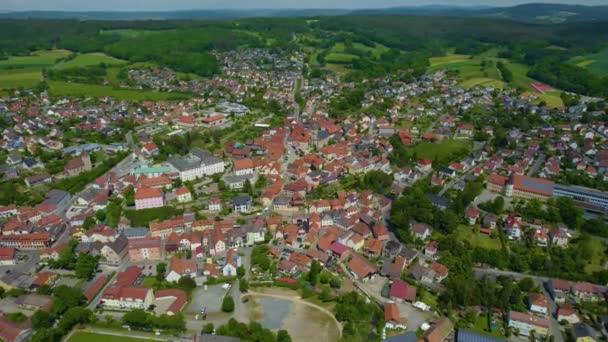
(59, 88)
(148, 281)
(597, 259)
(83, 336)
(89, 59)
(552, 98)
(36, 59)
(597, 63)
(442, 150)
(15, 78)
(481, 326)
(467, 233)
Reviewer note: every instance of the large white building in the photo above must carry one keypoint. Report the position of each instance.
(197, 164)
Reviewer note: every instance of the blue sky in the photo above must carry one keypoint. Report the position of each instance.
(164, 5)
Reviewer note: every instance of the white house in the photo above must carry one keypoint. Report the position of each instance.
(233, 261)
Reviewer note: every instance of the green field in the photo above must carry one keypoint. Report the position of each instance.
(469, 233)
(441, 150)
(83, 336)
(16, 78)
(376, 51)
(36, 59)
(340, 58)
(89, 59)
(58, 89)
(596, 63)
(471, 73)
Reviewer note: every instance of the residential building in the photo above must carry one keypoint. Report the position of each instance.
(146, 198)
(527, 323)
(146, 248)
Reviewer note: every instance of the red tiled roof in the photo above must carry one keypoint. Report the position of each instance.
(143, 193)
(402, 290)
(178, 303)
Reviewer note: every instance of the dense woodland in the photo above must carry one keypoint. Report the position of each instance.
(185, 45)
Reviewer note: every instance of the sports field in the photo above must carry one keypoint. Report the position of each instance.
(83, 336)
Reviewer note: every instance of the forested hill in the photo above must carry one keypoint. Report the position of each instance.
(407, 42)
(532, 12)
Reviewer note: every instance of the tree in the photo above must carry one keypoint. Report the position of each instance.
(186, 283)
(89, 223)
(313, 274)
(283, 336)
(247, 188)
(243, 285)
(161, 268)
(73, 316)
(228, 304)
(100, 215)
(208, 328)
(130, 196)
(137, 318)
(41, 319)
(44, 289)
(65, 297)
(240, 271)
(86, 265)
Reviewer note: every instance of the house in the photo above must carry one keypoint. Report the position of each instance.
(14, 332)
(402, 291)
(214, 203)
(440, 331)
(537, 304)
(214, 120)
(568, 314)
(361, 268)
(7, 256)
(471, 215)
(243, 167)
(527, 323)
(78, 165)
(179, 268)
(146, 198)
(392, 318)
(558, 289)
(183, 195)
(144, 248)
(233, 261)
(421, 231)
(177, 298)
(113, 253)
(431, 249)
(241, 203)
(586, 292)
(393, 269)
(125, 294)
(34, 302)
(582, 332)
(466, 335)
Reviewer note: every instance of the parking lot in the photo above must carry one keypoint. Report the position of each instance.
(211, 298)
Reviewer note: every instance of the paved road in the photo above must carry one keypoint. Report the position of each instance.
(537, 164)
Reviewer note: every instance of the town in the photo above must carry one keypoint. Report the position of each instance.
(458, 213)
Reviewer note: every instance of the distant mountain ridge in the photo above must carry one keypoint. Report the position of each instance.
(531, 12)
